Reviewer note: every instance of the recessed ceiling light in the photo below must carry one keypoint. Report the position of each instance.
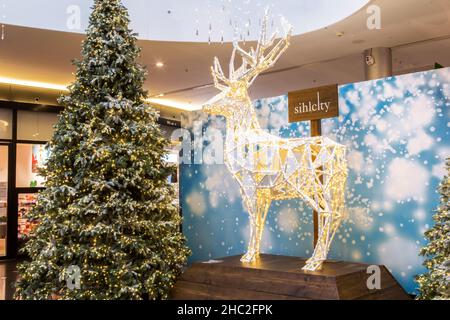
(160, 64)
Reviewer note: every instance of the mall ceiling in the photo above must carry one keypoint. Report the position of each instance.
(418, 31)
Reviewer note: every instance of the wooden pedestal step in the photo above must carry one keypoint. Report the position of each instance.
(281, 278)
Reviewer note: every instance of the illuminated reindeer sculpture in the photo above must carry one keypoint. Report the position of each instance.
(268, 167)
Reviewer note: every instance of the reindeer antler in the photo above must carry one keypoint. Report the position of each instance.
(256, 61)
(218, 75)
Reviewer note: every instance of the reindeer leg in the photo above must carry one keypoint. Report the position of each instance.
(329, 223)
(257, 222)
(251, 254)
(326, 235)
(321, 250)
(330, 203)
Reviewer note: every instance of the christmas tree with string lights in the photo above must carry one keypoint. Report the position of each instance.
(435, 283)
(108, 208)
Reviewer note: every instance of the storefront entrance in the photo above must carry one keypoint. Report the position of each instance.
(24, 131)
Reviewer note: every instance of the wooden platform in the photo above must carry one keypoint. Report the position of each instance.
(281, 278)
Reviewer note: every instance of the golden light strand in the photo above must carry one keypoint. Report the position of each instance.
(268, 167)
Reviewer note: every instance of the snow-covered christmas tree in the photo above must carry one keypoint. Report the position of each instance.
(107, 208)
(435, 284)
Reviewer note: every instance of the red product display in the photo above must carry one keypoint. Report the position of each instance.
(26, 202)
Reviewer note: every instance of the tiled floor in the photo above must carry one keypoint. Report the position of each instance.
(8, 276)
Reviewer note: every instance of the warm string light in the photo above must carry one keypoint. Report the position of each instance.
(434, 284)
(107, 207)
(268, 167)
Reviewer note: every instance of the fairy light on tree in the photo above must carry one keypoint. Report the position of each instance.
(107, 208)
(435, 283)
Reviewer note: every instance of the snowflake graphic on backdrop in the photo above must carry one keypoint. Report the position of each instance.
(397, 133)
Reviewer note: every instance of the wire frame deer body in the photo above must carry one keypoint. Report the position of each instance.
(268, 167)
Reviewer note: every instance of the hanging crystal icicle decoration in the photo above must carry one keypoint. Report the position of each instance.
(228, 18)
(197, 21)
(3, 18)
(210, 31)
(210, 23)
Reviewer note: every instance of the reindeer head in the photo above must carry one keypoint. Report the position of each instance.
(234, 89)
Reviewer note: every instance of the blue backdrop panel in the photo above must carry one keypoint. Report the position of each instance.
(397, 133)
